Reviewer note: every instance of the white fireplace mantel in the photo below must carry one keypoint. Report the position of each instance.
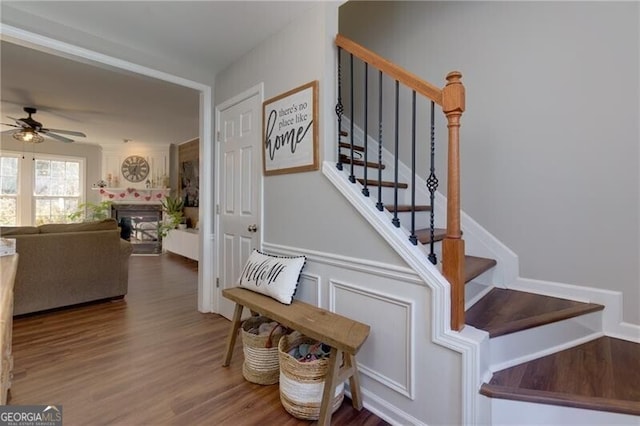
(133, 195)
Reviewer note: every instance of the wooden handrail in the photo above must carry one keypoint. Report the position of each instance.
(396, 72)
(452, 100)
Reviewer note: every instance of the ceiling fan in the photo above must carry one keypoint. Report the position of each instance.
(31, 130)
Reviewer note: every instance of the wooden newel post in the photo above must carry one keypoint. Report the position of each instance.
(453, 245)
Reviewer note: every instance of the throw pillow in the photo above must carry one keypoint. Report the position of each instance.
(273, 276)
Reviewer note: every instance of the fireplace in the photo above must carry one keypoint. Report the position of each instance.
(139, 225)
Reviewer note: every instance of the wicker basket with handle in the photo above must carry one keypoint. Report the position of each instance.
(302, 383)
(261, 364)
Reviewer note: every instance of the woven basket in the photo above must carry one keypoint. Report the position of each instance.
(261, 364)
(302, 383)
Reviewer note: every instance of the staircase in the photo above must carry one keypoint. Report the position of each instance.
(541, 349)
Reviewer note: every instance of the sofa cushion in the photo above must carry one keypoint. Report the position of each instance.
(7, 231)
(56, 228)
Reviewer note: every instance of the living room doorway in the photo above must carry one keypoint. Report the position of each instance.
(206, 270)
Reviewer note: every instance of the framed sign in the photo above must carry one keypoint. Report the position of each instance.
(290, 131)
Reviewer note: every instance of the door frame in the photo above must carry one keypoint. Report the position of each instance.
(258, 90)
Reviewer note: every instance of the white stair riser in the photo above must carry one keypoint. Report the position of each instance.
(388, 197)
(474, 291)
(388, 175)
(372, 174)
(508, 412)
(516, 348)
(422, 220)
(387, 194)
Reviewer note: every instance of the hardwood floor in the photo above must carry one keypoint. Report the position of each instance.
(150, 359)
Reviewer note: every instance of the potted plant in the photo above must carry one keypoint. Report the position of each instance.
(92, 211)
(172, 207)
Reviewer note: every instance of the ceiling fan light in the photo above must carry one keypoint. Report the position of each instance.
(28, 135)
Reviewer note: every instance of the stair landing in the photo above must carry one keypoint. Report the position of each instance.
(603, 374)
(504, 311)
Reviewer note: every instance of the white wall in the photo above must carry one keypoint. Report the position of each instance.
(304, 213)
(550, 138)
(158, 157)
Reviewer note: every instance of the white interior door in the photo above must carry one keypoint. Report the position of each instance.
(240, 174)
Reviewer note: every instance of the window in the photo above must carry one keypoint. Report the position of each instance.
(8, 191)
(39, 189)
(56, 191)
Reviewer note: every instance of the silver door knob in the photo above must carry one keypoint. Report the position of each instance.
(252, 228)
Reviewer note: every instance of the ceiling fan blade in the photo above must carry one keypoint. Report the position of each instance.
(58, 137)
(8, 131)
(18, 121)
(64, 132)
(12, 125)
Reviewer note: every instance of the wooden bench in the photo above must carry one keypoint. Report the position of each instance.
(8, 269)
(344, 335)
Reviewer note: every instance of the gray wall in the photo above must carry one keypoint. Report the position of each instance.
(550, 138)
(304, 209)
(91, 153)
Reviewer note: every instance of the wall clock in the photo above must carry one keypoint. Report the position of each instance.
(135, 168)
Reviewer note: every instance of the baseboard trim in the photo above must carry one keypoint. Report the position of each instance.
(612, 323)
(386, 411)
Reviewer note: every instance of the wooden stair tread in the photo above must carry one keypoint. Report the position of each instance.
(387, 184)
(356, 162)
(475, 266)
(602, 375)
(403, 208)
(346, 145)
(424, 235)
(504, 311)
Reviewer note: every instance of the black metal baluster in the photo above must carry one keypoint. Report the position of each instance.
(395, 220)
(339, 108)
(379, 204)
(432, 186)
(412, 237)
(365, 190)
(352, 177)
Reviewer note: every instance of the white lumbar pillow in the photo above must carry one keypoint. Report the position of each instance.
(273, 276)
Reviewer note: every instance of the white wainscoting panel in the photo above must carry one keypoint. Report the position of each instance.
(387, 355)
(401, 369)
(308, 290)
